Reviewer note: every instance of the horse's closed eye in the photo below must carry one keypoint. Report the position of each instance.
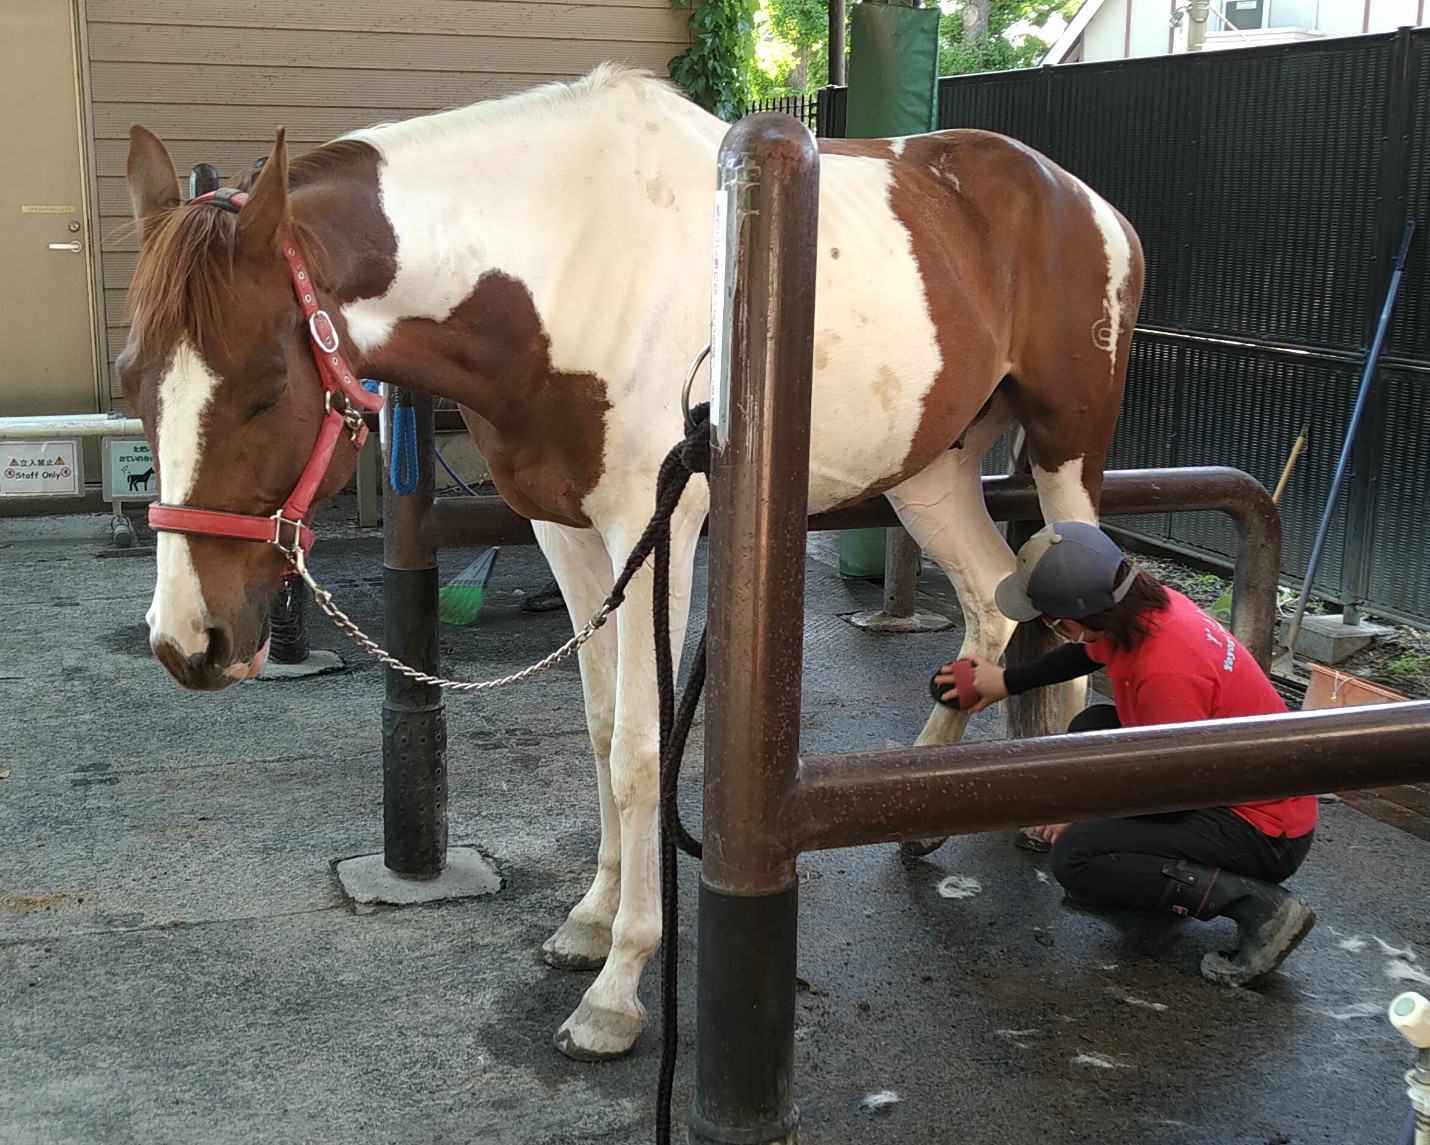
(268, 402)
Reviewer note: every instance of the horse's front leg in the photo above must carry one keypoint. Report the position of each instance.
(942, 507)
(611, 1016)
(582, 568)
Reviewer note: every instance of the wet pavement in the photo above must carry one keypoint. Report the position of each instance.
(178, 963)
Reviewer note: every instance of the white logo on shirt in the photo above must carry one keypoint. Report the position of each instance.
(1212, 629)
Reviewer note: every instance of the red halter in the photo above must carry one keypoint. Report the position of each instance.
(287, 529)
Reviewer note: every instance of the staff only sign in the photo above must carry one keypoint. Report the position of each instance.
(40, 469)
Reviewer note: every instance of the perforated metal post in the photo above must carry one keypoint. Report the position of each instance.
(768, 178)
(414, 727)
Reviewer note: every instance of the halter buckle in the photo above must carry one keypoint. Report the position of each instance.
(324, 332)
(294, 550)
(351, 415)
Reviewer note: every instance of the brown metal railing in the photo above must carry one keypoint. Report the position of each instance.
(764, 804)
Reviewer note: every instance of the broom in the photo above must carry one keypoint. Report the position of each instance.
(460, 601)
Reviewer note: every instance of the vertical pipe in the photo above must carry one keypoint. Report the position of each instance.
(414, 729)
(759, 477)
(1367, 377)
(901, 570)
(1197, 24)
(1362, 485)
(838, 17)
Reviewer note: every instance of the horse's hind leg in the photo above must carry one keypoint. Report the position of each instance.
(1070, 366)
(582, 568)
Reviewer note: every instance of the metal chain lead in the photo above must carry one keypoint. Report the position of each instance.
(324, 601)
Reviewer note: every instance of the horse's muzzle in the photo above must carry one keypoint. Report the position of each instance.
(213, 669)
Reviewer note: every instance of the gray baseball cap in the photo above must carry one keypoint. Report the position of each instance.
(1067, 570)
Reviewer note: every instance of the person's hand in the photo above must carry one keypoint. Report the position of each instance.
(987, 678)
(1051, 831)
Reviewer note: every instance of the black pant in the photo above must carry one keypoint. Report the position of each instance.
(1118, 862)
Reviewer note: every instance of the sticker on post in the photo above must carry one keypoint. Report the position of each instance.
(721, 297)
(41, 468)
(129, 470)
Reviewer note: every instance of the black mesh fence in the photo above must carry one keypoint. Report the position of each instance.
(1270, 187)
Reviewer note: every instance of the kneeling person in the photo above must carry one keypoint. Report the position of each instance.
(1169, 662)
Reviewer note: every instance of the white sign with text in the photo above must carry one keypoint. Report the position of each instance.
(41, 468)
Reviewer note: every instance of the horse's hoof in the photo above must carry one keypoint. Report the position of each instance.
(592, 1034)
(578, 946)
(918, 848)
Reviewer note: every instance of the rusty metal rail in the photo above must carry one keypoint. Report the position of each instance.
(764, 805)
(466, 522)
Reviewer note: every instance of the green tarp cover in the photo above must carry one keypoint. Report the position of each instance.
(893, 70)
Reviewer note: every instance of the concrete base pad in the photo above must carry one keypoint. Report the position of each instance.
(882, 622)
(318, 663)
(1327, 640)
(467, 874)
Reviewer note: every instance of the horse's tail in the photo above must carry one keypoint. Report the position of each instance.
(1019, 461)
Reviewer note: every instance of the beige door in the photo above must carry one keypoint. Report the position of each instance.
(47, 347)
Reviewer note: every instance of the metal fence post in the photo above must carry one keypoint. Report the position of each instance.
(768, 174)
(414, 729)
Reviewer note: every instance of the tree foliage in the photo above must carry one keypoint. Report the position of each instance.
(993, 35)
(715, 69)
(791, 52)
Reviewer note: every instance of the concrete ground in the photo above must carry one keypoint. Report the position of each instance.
(178, 965)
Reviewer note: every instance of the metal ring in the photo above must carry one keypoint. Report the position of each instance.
(689, 381)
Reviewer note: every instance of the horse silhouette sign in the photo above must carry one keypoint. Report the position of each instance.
(40, 468)
(128, 470)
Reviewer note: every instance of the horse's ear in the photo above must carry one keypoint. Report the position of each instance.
(265, 216)
(153, 186)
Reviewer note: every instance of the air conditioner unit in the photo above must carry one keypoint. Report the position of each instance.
(1245, 15)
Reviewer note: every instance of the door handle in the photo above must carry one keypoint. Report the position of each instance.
(70, 246)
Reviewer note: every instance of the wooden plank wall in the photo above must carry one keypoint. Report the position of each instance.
(214, 79)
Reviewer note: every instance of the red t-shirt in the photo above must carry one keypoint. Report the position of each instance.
(1188, 667)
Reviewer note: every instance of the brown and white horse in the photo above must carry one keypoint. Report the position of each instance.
(545, 260)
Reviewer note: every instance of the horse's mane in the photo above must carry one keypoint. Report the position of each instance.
(551, 98)
(183, 279)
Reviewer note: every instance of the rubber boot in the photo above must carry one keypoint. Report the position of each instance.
(1270, 920)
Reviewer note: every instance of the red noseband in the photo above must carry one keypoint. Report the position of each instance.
(287, 529)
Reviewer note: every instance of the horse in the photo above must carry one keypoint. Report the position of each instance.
(139, 481)
(545, 260)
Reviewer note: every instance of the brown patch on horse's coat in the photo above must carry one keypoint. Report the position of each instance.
(977, 205)
(859, 148)
(359, 257)
(541, 430)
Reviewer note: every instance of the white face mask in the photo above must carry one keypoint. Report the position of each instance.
(1083, 637)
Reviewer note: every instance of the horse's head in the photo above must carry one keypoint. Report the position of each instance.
(219, 367)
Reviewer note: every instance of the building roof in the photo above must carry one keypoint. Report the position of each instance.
(1067, 42)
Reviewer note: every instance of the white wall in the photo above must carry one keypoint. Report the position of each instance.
(1107, 36)
(1348, 17)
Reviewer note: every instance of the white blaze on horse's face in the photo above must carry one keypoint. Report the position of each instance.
(178, 614)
